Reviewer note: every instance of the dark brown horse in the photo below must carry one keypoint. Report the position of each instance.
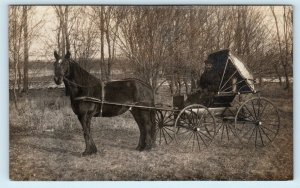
(79, 83)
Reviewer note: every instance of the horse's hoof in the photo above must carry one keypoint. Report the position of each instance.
(139, 148)
(148, 148)
(88, 152)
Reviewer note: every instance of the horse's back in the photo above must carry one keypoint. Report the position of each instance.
(125, 93)
(128, 90)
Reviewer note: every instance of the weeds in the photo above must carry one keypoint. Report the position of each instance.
(46, 142)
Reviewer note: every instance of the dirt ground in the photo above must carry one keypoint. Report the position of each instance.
(46, 142)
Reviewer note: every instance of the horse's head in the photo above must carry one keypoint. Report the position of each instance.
(61, 67)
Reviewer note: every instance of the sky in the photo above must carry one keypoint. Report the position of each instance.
(40, 51)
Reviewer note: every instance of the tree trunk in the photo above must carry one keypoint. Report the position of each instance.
(66, 29)
(287, 81)
(63, 36)
(102, 43)
(25, 65)
(109, 60)
(15, 59)
(279, 41)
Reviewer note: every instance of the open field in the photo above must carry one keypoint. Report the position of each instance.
(46, 142)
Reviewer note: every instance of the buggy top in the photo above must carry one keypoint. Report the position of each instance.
(235, 77)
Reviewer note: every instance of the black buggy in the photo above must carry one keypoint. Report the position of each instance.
(222, 113)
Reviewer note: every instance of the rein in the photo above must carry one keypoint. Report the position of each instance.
(78, 85)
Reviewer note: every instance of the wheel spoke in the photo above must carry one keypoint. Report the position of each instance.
(185, 121)
(160, 136)
(186, 130)
(251, 135)
(193, 142)
(265, 134)
(198, 142)
(164, 135)
(262, 142)
(248, 130)
(168, 118)
(192, 117)
(263, 110)
(268, 129)
(254, 109)
(168, 133)
(230, 128)
(222, 132)
(168, 121)
(202, 139)
(210, 138)
(250, 113)
(227, 132)
(169, 129)
(186, 136)
(191, 133)
(255, 135)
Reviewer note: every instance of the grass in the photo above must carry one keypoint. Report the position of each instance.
(46, 142)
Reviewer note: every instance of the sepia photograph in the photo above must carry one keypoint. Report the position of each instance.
(150, 92)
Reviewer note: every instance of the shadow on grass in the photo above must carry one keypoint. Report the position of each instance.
(51, 149)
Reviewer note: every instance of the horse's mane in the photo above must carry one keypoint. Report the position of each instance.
(91, 78)
(138, 80)
(82, 72)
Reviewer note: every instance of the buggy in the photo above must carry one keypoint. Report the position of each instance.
(226, 80)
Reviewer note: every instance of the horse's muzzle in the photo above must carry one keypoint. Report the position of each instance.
(57, 80)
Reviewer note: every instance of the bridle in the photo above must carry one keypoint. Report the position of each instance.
(72, 83)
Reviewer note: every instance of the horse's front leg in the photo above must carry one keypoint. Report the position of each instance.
(90, 146)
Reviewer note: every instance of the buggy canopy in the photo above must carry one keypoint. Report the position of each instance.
(235, 77)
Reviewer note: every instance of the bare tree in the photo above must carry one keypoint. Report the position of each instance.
(26, 49)
(63, 41)
(21, 31)
(83, 35)
(285, 49)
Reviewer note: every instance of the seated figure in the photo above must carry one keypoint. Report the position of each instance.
(207, 87)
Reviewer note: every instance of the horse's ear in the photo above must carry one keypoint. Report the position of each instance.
(68, 55)
(56, 55)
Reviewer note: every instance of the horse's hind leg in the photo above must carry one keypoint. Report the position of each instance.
(143, 119)
(90, 146)
(137, 118)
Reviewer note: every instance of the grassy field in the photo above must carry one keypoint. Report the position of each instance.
(46, 142)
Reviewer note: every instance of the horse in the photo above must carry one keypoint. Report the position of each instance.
(80, 83)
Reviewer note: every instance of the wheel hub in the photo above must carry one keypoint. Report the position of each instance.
(196, 129)
(160, 124)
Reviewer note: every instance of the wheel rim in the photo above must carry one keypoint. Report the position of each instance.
(195, 127)
(257, 122)
(164, 127)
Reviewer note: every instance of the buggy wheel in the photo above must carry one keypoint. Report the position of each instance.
(257, 122)
(164, 126)
(195, 127)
